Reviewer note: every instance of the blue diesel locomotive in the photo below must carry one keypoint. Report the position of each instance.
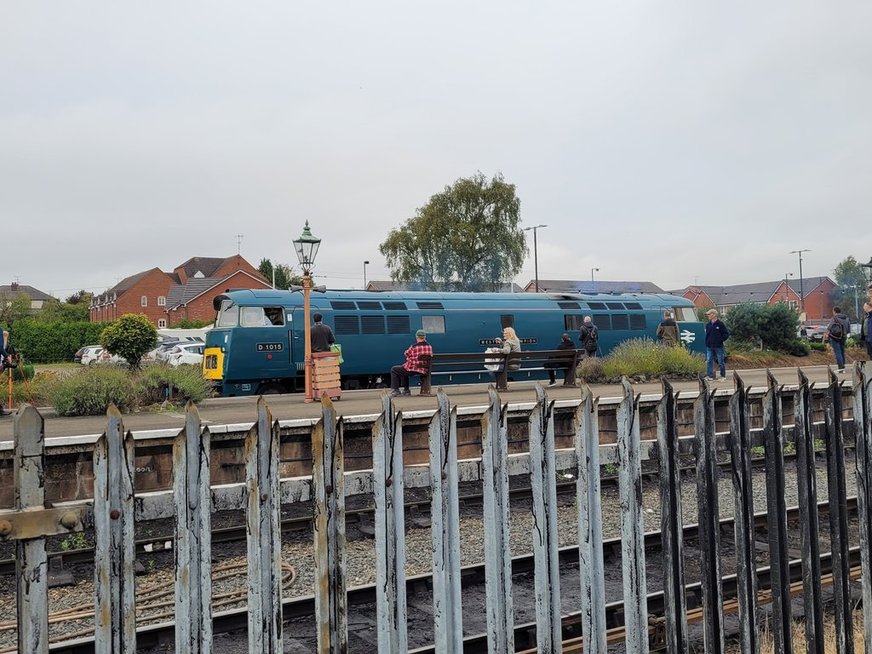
(257, 346)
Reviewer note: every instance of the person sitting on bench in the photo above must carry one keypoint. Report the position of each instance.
(413, 365)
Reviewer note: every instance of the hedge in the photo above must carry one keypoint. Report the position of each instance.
(52, 342)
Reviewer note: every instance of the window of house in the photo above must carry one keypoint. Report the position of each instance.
(143, 301)
(161, 300)
(161, 323)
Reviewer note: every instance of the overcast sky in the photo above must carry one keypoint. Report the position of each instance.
(675, 142)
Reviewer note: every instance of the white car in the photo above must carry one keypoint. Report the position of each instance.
(190, 353)
(91, 355)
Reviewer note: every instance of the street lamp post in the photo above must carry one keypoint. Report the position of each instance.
(365, 264)
(306, 247)
(535, 253)
(801, 290)
(787, 288)
(592, 280)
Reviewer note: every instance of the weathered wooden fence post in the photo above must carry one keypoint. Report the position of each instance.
(445, 530)
(264, 534)
(497, 542)
(838, 504)
(193, 539)
(390, 536)
(809, 525)
(590, 525)
(543, 485)
(709, 517)
(773, 435)
(328, 480)
(863, 440)
(671, 525)
(114, 551)
(632, 527)
(743, 493)
(31, 562)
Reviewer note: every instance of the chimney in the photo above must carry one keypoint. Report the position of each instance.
(14, 286)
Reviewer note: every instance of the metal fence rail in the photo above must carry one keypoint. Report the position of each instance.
(113, 512)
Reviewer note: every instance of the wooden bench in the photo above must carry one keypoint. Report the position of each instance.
(475, 362)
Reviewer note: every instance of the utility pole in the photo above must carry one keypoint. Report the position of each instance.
(535, 253)
(239, 238)
(801, 291)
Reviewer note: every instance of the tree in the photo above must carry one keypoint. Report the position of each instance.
(54, 311)
(774, 327)
(467, 238)
(851, 280)
(80, 297)
(285, 277)
(17, 308)
(131, 336)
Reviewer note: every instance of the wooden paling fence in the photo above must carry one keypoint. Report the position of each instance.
(115, 508)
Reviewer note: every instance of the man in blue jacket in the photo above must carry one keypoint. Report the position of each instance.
(716, 333)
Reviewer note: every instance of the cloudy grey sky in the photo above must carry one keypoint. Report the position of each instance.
(667, 141)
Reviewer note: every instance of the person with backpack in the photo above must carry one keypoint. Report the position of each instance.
(589, 337)
(866, 328)
(837, 334)
(667, 330)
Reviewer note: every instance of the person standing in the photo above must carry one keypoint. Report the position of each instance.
(589, 337)
(566, 343)
(667, 331)
(866, 328)
(414, 365)
(716, 333)
(322, 335)
(837, 335)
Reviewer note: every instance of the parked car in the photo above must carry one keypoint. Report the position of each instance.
(77, 357)
(190, 353)
(815, 333)
(90, 355)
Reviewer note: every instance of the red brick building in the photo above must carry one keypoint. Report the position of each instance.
(185, 293)
(817, 291)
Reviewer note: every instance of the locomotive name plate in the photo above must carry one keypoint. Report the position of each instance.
(270, 347)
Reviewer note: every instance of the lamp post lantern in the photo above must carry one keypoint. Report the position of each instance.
(801, 291)
(592, 280)
(787, 287)
(535, 253)
(365, 264)
(306, 247)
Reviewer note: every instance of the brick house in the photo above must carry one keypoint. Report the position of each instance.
(587, 286)
(816, 290)
(185, 293)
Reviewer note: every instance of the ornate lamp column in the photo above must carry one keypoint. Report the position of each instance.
(306, 247)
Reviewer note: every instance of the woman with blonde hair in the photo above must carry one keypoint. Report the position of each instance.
(511, 343)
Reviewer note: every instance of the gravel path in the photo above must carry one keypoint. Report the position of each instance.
(360, 556)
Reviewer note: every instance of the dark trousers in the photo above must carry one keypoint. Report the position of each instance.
(869, 349)
(400, 375)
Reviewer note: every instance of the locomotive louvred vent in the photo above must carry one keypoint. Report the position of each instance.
(346, 325)
(399, 325)
(372, 324)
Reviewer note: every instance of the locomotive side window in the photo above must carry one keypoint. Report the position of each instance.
(597, 306)
(433, 324)
(398, 324)
(342, 305)
(632, 305)
(372, 324)
(274, 316)
(430, 305)
(228, 315)
(568, 305)
(615, 306)
(601, 320)
(395, 306)
(507, 320)
(637, 321)
(369, 306)
(620, 321)
(346, 325)
(572, 323)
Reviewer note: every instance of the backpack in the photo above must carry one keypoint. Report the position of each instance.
(837, 330)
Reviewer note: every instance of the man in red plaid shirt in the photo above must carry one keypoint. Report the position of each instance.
(413, 365)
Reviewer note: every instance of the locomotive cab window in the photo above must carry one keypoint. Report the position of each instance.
(685, 314)
(228, 315)
(433, 324)
(261, 316)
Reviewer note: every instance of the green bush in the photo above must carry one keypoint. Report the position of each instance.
(131, 336)
(642, 357)
(91, 391)
(591, 371)
(774, 326)
(191, 323)
(52, 342)
(817, 347)
(184, 383)
(24, 372)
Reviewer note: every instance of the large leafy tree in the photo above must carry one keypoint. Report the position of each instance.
(285, 277)
(851, 280)
(131, 336)
(467, 238)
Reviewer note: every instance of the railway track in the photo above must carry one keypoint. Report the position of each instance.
(298, 613)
